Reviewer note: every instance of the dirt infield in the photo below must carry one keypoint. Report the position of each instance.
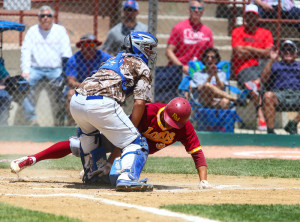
(61, 192)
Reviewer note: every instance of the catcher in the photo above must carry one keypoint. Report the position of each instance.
(161, 124)
(95, 107)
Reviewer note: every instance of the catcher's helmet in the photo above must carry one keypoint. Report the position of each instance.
(177, 112)
(143, 44)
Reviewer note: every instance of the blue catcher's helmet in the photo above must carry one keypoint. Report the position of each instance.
(143, 44)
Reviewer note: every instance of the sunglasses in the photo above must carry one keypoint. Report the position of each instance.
(209, 56)
(193, 8)
(291, 50)
(46, 15)
(128, 9)
(87, 44)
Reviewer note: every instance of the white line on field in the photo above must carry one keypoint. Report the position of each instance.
(295, 154)
(121, 204)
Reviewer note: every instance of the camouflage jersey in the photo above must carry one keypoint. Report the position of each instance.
(108, 83)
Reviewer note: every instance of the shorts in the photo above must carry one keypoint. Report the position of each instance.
(251, 73)
(288, 99)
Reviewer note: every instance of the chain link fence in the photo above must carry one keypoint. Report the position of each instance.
(216, 106)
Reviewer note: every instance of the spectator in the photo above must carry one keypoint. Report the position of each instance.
(82, 64)
(189, 38)
(250, 44)
(282, 81)
(5, 98)
(291, 126)
(45, 49)
(210, 83)
(269, 9)
(116, 35)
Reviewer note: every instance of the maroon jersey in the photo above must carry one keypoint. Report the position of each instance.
(158, 137)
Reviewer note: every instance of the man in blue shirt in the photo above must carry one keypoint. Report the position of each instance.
(282, 81)
(82, 64)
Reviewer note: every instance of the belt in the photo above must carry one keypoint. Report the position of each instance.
(91, 97)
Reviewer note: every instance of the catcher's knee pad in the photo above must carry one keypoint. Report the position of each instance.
(92, 162)
(74, 143)
(89, 141)
(134, 158)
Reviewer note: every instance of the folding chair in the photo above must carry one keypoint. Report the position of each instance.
(208, 119)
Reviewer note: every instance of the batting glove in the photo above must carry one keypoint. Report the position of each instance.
(204, 185)
(101, 171)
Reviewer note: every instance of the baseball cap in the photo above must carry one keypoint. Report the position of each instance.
(88, 38)
(132, 4)
(291, 43)
(251, 8)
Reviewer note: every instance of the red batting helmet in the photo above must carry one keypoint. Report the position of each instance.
(177, 112)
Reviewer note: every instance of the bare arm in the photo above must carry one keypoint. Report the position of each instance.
(247, 52)
(202, 172)
(213, 71)
(72, 82)
(265, 75)
(173, 58)
(264, 5)
(137, 111)
(114, 154)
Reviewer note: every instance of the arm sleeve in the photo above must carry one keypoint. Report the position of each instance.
(236, 39)
(174, 38)
(107, 45)
(142, 90)
(199, 159)
(26, 52)
(192, 145)
(71, 68)
(211, 42)
(66, 46)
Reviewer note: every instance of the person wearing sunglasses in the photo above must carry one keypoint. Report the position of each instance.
(208, 84)
(82, 64)
(189, 38)
(116, 34)
(281, 81)
(45, 51)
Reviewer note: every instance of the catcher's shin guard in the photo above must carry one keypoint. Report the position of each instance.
(133, 160)
(115, 171)
(92, 162)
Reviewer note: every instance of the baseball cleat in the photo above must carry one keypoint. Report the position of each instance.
(133, 185)
(20, 164)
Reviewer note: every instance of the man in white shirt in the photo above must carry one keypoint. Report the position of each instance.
(45, 49)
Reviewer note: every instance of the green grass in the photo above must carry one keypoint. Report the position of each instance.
(223, 212)
(241, 212)
(228, 166)
(67, 163)
(10, 213)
